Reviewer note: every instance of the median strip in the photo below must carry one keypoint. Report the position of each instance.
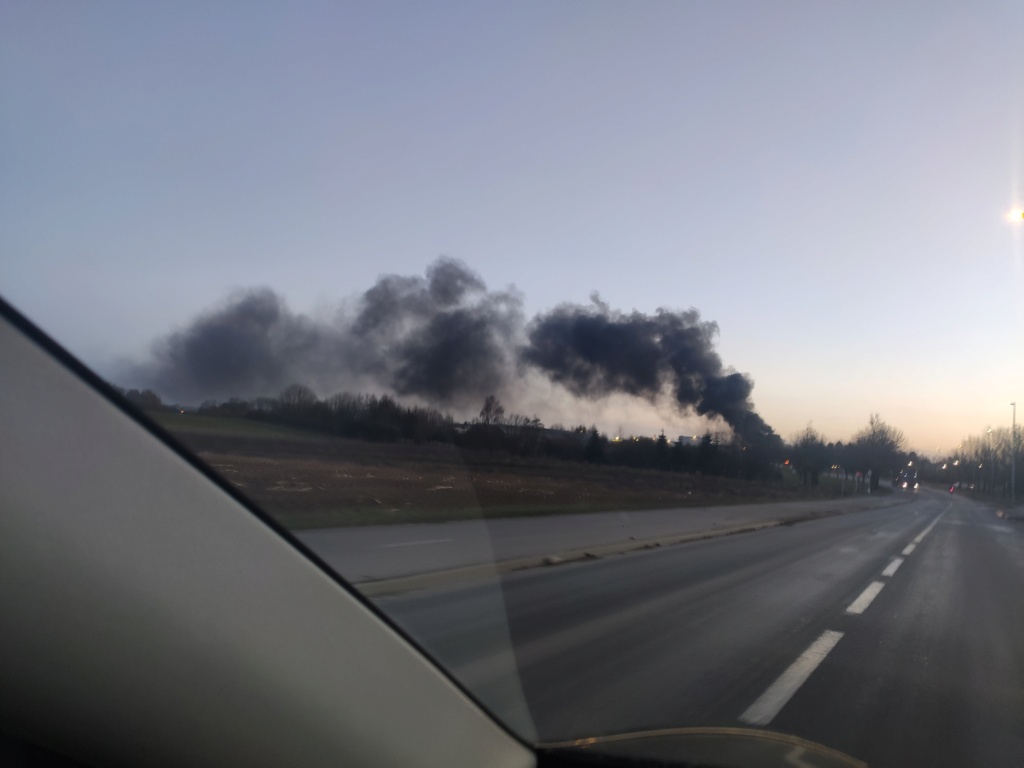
(394, 585)
(417, 543)
(472, 573)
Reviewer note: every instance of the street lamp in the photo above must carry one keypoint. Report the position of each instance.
(991, 463)
(1015, 216)
(1013, 455)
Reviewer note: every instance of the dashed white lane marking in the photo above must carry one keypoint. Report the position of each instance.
(763, 711)
(928, 530)
(781, 691)
(890, 569)
(418, 543)
(870, 593)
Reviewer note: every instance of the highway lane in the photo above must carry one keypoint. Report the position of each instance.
(928, 672)
(933, 672)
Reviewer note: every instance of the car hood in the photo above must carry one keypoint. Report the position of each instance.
(706, 747)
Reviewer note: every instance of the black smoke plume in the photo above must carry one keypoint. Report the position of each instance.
(445, 339)
(253, 345)
(596, 351)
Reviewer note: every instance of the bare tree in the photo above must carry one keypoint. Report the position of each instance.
(297, 396)
(493, 411)
(878, 447)
(810, 455)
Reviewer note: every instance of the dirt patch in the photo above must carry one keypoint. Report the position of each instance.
(322, 481)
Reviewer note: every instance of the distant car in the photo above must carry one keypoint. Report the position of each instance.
(907, 480)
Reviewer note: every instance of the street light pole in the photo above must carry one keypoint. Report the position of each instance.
(991, 465)
(1013, 456)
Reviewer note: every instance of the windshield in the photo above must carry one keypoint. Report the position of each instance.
(564, 332)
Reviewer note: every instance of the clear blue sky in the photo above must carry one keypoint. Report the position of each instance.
(827, 181)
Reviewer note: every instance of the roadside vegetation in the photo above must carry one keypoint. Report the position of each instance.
(987, 465)
(308, 480)
(367, 459)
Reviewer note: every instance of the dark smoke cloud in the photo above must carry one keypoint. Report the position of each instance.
(595, 351)
(446, 339)
(253, 345)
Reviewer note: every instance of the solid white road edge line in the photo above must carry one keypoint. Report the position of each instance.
(891, 568)
(870, 593)
(762, 711)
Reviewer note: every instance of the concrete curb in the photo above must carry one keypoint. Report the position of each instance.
(477, 573)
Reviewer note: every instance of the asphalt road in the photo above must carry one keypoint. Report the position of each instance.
(895, 635)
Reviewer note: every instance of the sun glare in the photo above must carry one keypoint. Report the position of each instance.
(1015, 215)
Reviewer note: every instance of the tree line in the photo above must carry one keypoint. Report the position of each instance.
(987, 462)
(877, 449)
(874, 451)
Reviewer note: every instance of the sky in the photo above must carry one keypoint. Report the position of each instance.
(828, 182)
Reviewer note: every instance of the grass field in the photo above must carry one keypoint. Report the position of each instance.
(307, 480)
(193, 424)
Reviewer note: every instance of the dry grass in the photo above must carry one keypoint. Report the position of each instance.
(309, 480)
